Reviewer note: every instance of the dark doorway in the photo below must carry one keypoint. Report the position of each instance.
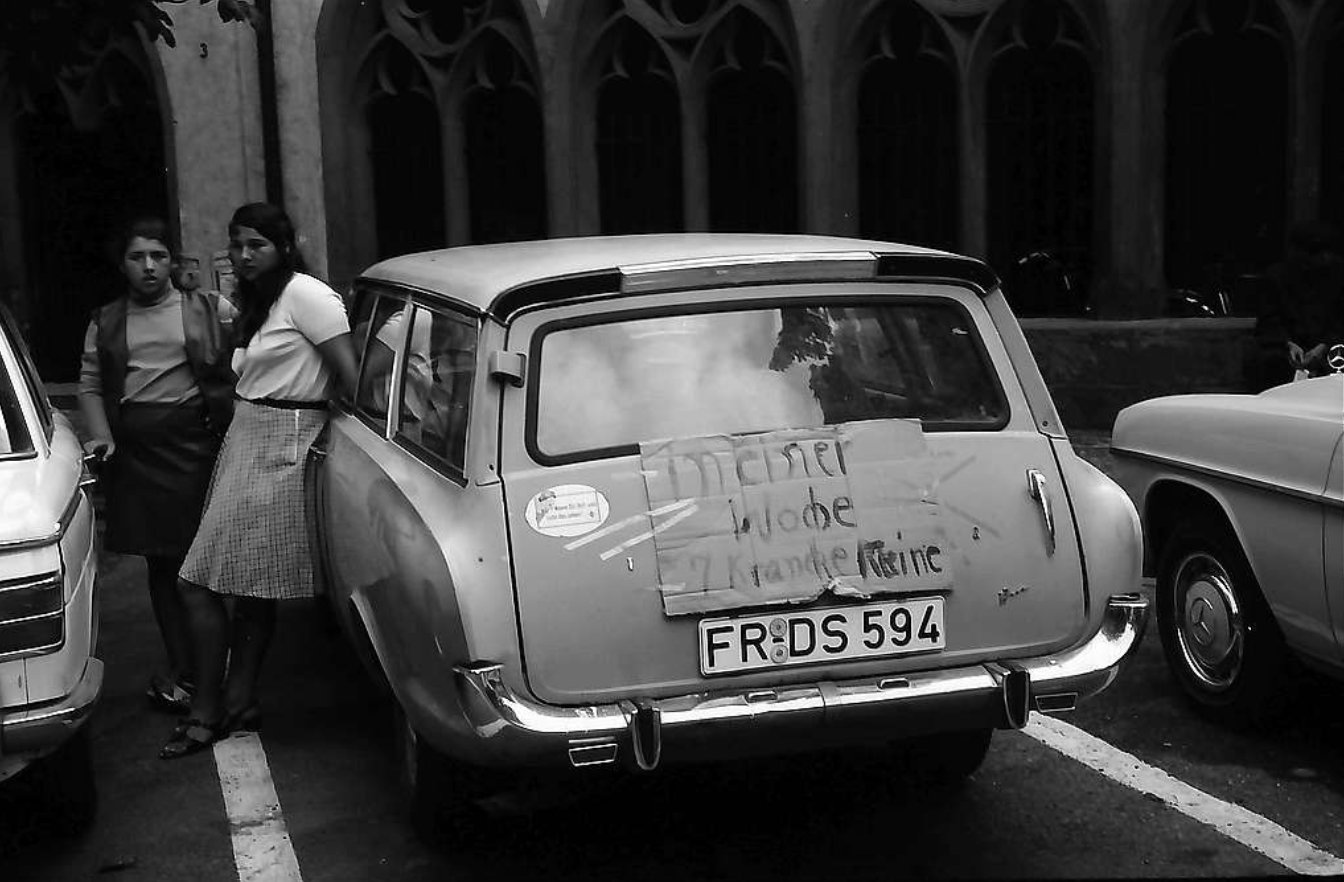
(80, 179)
(908, 183)
(1226, 118)
(639, 140)
(752, 133)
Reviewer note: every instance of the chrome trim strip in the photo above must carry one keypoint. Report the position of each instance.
(494, 709)
(47, 580)
(67, 517)
(1208, 472)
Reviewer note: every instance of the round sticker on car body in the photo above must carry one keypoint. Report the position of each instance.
(567, 510)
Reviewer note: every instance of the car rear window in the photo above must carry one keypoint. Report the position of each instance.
(610, 385)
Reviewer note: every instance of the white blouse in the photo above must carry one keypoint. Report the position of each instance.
(281, 360)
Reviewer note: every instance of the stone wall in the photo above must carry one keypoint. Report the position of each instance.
(1095, 368)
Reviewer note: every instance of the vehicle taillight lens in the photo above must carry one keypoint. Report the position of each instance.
(32, 613)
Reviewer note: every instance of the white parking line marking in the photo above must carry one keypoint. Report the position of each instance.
(262, 851)
(1251, 830)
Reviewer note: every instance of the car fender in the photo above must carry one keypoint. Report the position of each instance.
(1110, 533)
(1248, 512)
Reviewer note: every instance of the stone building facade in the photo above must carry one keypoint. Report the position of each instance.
(1147, 145)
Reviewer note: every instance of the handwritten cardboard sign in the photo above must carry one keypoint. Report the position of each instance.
(783, 516)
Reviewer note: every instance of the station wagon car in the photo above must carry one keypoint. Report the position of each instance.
(654, 499)
(1242, 500)
(50, 681)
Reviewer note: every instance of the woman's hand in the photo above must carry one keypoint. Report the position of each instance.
(1296, 357)
(102, 448)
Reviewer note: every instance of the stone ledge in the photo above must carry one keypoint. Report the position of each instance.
(1094, 368)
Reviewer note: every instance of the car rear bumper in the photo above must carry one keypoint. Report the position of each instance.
(30, 732)
(512, 728)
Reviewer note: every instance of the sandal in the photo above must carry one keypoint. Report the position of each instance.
(190, 736)
(169, 695)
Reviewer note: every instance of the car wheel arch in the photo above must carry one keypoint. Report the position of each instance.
(1169, 502)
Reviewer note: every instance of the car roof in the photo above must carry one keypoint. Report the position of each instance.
(478, 274)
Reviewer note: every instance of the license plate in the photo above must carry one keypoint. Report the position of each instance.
(808, 637)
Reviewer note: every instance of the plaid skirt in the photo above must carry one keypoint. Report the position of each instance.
(253, 538)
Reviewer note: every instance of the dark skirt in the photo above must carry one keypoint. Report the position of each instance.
(156, 481)
(254, 536)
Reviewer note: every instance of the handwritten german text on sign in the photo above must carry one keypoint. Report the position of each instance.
(784, 516)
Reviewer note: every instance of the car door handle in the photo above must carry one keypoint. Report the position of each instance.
(1039, 491)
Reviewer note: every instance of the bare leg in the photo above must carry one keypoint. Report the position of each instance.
(170, 615)
(253, 627)
(208, 618)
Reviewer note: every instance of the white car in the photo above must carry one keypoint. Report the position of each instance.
(1242, 500)
(49, 680)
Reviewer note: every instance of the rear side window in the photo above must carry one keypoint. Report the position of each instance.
(606, 387)
(377, 328)
(440, 368)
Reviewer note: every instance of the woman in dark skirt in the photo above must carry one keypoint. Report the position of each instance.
(155, 395)
(252, 545)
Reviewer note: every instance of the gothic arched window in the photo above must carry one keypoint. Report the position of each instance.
(407, 156)
(505, 158)
(907, 131)
(638, 138)
(1041, 146)
(1226, 123)
(752, 130)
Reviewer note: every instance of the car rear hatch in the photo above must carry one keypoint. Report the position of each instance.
(739, 489)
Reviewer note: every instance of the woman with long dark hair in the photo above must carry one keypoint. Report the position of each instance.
(294, 348)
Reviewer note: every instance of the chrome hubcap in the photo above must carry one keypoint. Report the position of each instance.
(1209, 626)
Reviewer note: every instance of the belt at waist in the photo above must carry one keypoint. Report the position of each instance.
(286, 403)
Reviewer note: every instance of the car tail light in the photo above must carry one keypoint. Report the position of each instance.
(32, 613)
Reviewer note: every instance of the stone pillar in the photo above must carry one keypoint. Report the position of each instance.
(1129, 281)
(819, 176)
(215, 113)
(973, 163)
(1308, 27)
(294, 30)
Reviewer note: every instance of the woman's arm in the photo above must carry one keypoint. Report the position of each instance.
(339, 355)
(97, 430)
